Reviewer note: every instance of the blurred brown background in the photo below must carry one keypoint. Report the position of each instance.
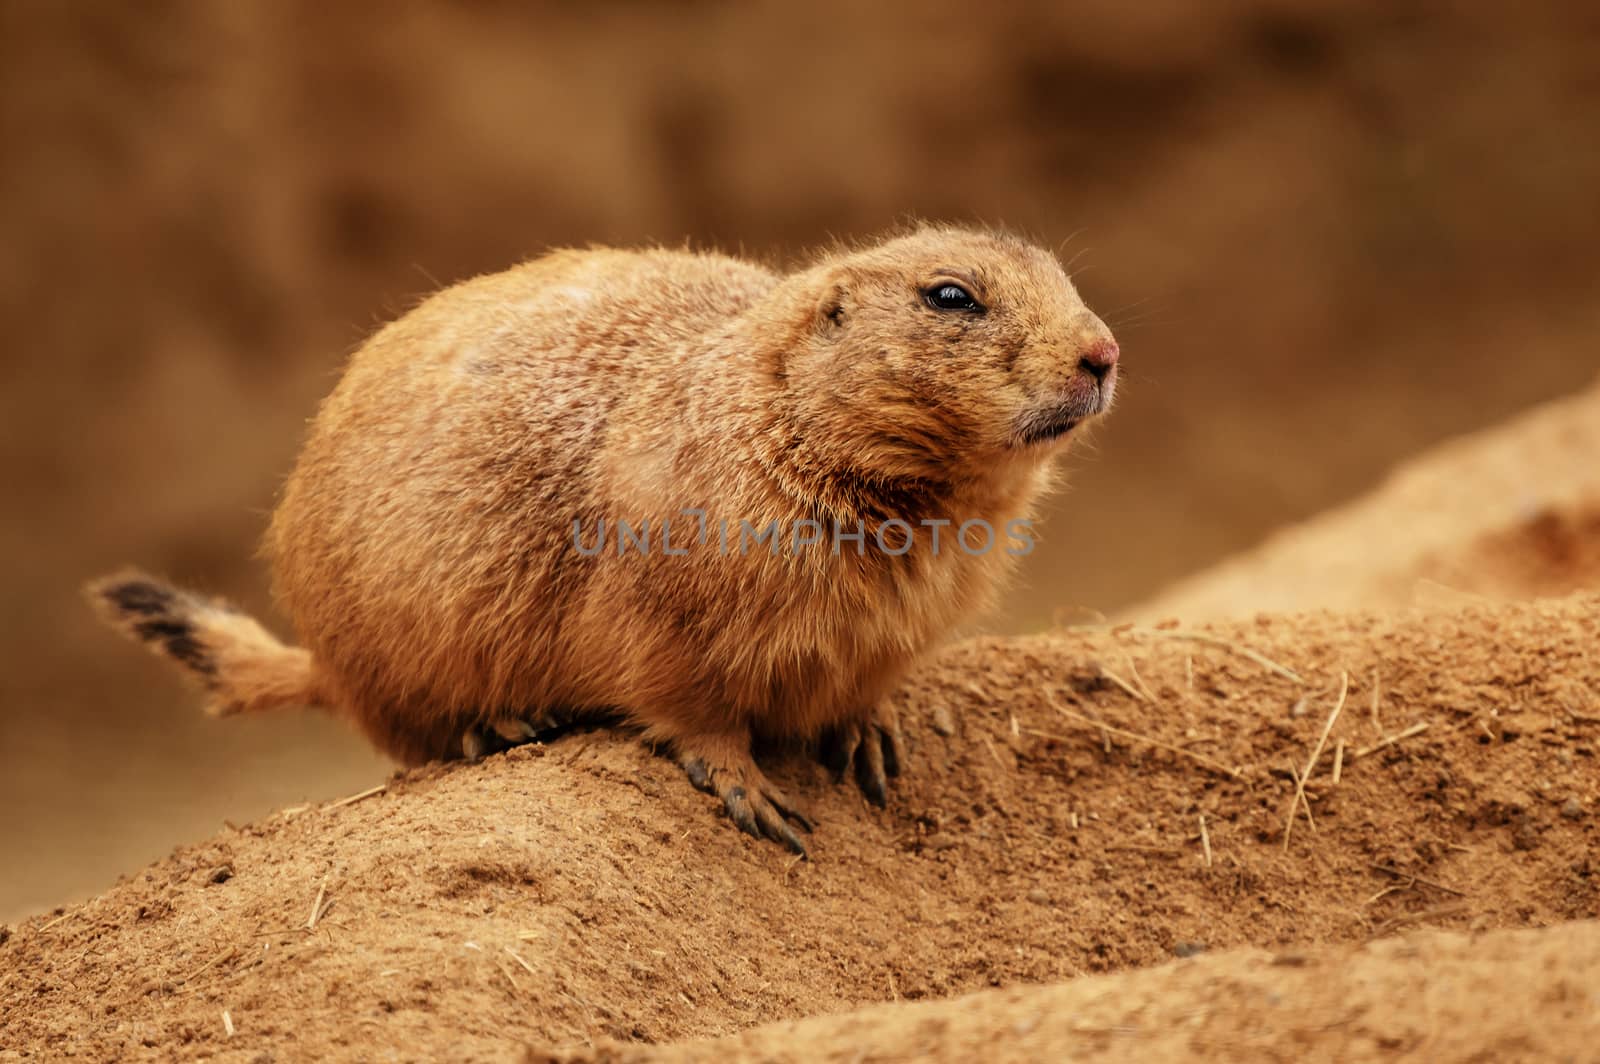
(1329, 233)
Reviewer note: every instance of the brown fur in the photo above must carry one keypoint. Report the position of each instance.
(424, 544)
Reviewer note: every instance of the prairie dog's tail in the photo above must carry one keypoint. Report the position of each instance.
(242, 667)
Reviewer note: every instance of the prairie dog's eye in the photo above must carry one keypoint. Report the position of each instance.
(947, 295)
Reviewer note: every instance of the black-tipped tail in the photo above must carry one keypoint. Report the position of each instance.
(241, 665)
(158, 615)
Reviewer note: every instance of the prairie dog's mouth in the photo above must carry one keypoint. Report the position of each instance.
(1049, 423)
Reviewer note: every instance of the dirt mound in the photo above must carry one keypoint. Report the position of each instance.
(559, 897)
(1505, 995)
(1511, 512)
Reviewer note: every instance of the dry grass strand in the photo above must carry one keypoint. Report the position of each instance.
(1214, 765)
(354, 798)
(1388, 741)
(316, 904)
(1311, 763)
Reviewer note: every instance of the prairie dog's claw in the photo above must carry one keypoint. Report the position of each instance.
(873, 746)
(757, 807)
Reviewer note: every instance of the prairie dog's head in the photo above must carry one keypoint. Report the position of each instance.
(949, 348)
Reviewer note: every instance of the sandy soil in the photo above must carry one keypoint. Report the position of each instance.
(581, 895)
(1510, 512)
(1502, 995)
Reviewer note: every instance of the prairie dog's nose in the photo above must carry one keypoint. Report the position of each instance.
(1099, 358)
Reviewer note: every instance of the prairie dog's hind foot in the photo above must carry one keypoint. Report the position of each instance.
(480, 740)
(725, 767)
(501, 733)
(874, 745)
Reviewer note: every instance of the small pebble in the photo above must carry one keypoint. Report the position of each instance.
(1038, 897)
(1189, 949)
(943, 723)
(1572, 809)
(939, 842)
(1524, 836)
(219, 874)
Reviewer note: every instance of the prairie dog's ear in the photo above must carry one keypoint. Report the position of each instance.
(833, 308)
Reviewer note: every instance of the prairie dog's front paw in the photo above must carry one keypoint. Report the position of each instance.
(752, 801)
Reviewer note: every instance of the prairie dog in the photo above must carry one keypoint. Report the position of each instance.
(451, 544)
